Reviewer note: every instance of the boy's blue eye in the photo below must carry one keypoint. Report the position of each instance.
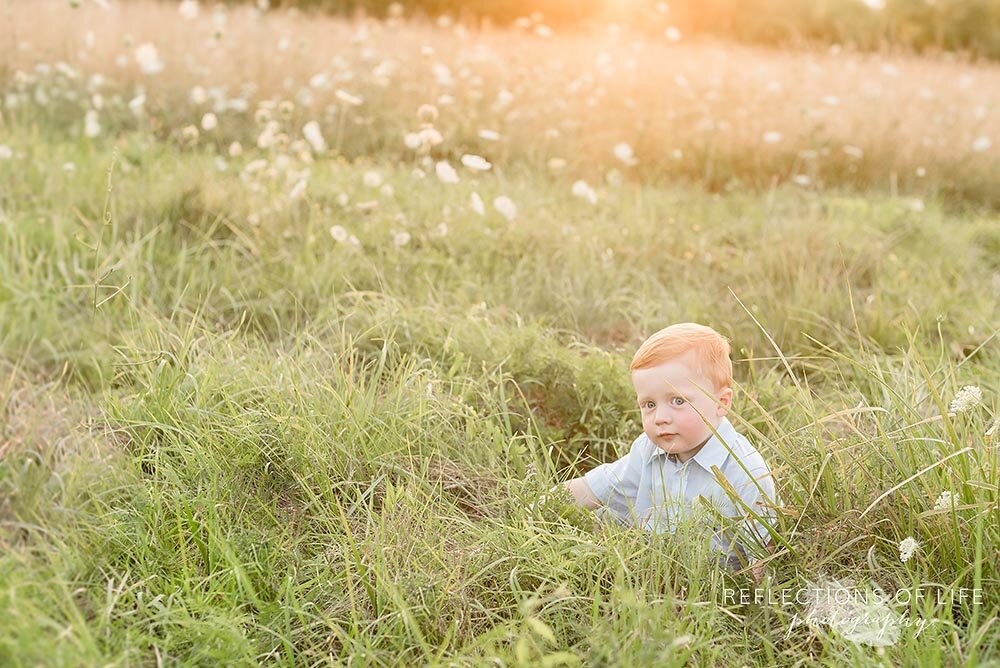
(677, 401)
(648, 404)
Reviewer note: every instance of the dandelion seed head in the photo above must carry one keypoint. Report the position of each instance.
(582, 190)
(505, 207)
(445, 172)
(624, 152)
(314, 135)
(476, 163)
(209, 122)
(338, 233)
(188, 9)
(427, 113)
(476, 202)
(148, 58)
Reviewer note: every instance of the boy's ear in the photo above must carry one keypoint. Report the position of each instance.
(725, 397)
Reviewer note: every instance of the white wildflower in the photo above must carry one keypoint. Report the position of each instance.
(137, 104)
(582, 190)
(445, 172)
(489, 135)
(981, 144)
(401, 239)
(311, 131)
(188, 10)
(476, 202)
(965, 399)
(6, 152)
(338, 233)
(235, 149)
(475, 162)
(412, 140)
(298, 190)
(624, 152)
(198, 95)
(907, 547)
(209, 122)
(505, 207)
(853, 151)
(945, 502)
(372, 179)
(148, 58)
(91, 124)
(347, 98)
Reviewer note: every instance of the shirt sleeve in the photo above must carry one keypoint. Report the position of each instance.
(616, 484)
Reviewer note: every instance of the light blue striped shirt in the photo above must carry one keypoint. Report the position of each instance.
(650, 489)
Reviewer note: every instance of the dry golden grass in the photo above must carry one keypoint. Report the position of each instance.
(695, 110)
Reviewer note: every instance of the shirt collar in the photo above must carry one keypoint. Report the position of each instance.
(714, 452)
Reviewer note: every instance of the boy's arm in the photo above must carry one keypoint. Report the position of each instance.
(582, 494)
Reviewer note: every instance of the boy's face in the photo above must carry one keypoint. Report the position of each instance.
(672, 400)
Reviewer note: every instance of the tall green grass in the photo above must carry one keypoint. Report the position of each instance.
(238, 444)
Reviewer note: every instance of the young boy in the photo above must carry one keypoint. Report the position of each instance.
(682, 377)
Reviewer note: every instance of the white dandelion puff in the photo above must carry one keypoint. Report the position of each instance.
(853, 151)
(372, 179)
(91, 124)
(505, 207)
(624, 152)
(209, 122)
(982, 144)
(198, 95)
(148, 58)
(348, 98)
(298, 190)
(476, 163)
(188, 10)
(445, 172)
(314, 135)
(338, 233)
(476, 202)
(412, 141)
(583, 190)
(235, 149)
(137, 104)
(907, 547)
(965, 399)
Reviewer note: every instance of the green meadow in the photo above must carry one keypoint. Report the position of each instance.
(245, 421)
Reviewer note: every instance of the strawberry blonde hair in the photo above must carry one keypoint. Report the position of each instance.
(710, 350)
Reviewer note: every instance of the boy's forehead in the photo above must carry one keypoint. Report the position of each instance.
(675, 373)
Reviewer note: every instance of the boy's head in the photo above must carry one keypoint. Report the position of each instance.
(683, 380)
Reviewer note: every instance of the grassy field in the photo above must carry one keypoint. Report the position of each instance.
(274, 399)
